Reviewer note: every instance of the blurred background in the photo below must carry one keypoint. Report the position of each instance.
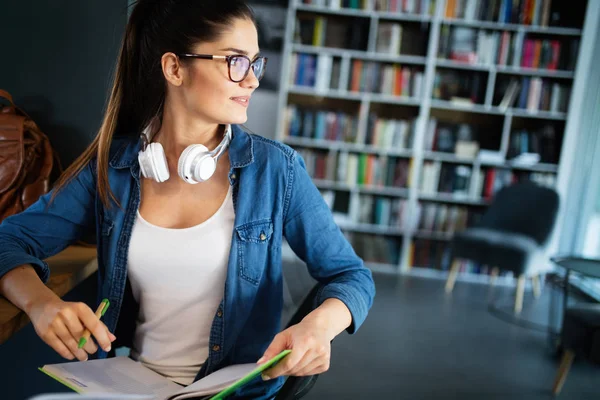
(457, 143)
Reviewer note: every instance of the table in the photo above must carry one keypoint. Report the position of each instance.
(67, 269)
(584, 266)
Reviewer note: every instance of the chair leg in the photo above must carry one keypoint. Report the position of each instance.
(452, 276)
(563, 370)
(519, 294)
(494, 275)
(535, 283)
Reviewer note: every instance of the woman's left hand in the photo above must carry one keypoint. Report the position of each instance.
(310, 342)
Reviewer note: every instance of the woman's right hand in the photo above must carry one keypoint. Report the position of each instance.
(61, 324)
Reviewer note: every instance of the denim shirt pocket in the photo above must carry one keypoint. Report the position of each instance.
(253, 244)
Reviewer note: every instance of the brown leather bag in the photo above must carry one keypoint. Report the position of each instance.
(27, 160)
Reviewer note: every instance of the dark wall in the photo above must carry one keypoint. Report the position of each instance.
(57, 59)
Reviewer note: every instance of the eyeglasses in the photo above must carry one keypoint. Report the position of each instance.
(238, 65)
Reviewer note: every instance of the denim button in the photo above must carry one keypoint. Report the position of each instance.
(232, 176)
(219, 313)
(216, 347)
(263, 237)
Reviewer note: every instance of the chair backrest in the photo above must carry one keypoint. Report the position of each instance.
(524, 208)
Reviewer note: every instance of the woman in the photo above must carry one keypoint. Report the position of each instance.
(189, 252)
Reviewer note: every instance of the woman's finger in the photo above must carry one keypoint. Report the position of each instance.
(309, 361)
(285, 365)
(75, 327)
(90, 347)
(56, 343)
(63, 333)
(95, 326)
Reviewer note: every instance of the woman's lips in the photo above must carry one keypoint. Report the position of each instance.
(242, 100)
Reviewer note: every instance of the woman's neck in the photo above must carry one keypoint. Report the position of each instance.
(175, 134)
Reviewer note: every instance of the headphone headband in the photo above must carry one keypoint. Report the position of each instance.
(196, 163)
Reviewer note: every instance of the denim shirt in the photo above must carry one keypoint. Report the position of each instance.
(273, 198)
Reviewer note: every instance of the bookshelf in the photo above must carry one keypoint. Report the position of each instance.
(410, 115)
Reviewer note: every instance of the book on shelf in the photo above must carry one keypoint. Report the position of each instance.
(527, 12)
(510, 95)
(376, 248)
(356, 169)
(303, 69)
(390, 133)
(321, 124)
(321, 31)
(369, 169)
(460, 139)
(319, 164)
(433, 254)
(491, 180)
(389, 38)
(383, 78)
(423, 7)
(445, 218)
(459, 86)
(382, 210)
(472, 46)
(454, 179)
(533, 94)
(321, 72)
(542, 141)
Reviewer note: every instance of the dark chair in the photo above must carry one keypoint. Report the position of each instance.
(580, 336)
(512, 231)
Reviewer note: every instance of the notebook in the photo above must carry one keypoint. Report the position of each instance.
(132, 380)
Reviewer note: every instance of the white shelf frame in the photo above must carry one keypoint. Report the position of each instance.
(425, 105)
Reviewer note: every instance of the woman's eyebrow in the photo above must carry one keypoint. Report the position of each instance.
(239, 51)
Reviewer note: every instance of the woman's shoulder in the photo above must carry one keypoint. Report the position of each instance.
(269, 149)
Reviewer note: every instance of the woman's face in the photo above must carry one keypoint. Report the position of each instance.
(206, 89)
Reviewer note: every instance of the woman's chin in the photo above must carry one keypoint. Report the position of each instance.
(237, 118)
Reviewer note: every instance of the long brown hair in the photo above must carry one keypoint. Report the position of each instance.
(138, 91)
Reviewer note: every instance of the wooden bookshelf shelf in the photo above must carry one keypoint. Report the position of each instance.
(377, 102)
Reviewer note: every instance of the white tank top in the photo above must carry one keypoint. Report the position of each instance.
(178, 277)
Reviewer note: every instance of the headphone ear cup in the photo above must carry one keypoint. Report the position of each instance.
(188, 160)
(205, 168)
(159, 162)
(153, 163)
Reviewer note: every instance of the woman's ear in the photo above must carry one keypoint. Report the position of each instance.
(172, 69)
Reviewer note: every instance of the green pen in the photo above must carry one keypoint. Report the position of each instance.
(99, 313)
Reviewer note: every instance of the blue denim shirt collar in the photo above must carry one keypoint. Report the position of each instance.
(241, 151)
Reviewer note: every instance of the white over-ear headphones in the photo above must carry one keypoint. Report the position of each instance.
(196, 163)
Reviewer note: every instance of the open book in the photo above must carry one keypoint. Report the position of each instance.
(131, 380)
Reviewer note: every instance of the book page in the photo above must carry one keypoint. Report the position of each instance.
(214, 382)
(113, 375)
(227, 380)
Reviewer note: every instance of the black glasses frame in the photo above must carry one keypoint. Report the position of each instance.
(228, 59)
